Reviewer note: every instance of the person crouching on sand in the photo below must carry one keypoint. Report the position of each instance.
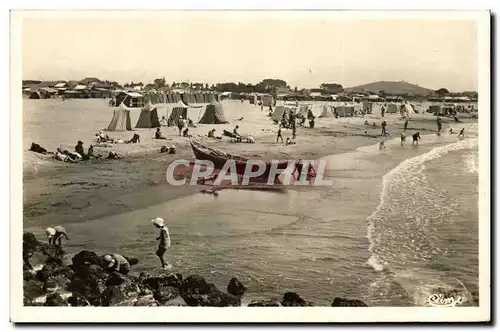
(118, 263)
(164, 238)
(403, 138)
(416, 138)
(55, 234)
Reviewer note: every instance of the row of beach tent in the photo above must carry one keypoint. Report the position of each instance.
(213, 113)
(161, 97)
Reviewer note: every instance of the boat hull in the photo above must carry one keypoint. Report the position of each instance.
(204, 153)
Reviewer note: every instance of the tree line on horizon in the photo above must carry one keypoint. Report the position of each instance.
(268, 85)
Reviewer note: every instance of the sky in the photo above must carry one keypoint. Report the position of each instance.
(221, 47)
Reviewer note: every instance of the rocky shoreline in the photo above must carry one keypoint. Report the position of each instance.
(51, 279)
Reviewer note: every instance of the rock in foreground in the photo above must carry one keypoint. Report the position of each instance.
(343, 302)
(91, 284)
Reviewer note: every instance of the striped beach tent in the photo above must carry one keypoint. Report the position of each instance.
(120, 120)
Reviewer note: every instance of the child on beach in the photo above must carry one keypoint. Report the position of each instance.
(158, 134)
(164, 239)
(461, 134)
(381, 145)
(279, 134)
(416, 138)
(403, 138)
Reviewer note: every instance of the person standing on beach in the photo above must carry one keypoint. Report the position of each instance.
(439, 125)
(55, 234)
(462, 133)
(180, 125)
(403, 138)
(384, 125)
(406, 125)
(279, 134)
(164, 239)
(298, 168)
(382, 111)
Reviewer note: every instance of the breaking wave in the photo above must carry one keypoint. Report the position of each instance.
(406, 194)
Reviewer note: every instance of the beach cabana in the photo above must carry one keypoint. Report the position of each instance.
(278, 113)
(345, 111)
(121, 119)
(148, 118)
(392, 108)
(252, 99)
(303, 110)
(180, 109)
(435, 109)
(367, 107)
(267, 100)
(407, 110)
(130, 99)
(326, 111)
(214, 114)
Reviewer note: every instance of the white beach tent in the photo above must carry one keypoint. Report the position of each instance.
(324, 111)
(407, 110)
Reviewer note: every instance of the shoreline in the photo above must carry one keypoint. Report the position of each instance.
(67, 193)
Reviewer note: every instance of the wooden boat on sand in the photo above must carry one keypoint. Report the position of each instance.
(219, 159)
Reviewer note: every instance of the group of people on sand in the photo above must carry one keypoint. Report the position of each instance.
(182, 125)
(416, 136)
(115, 262)
(73, 156)
(288, 140)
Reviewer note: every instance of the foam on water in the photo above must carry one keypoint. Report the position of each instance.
(471, 162)
(401, 184)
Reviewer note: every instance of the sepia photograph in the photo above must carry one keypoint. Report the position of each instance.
(250, 159)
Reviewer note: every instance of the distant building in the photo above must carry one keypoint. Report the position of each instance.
(89, 80)
(129, 98)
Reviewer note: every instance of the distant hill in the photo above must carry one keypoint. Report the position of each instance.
(390, 88)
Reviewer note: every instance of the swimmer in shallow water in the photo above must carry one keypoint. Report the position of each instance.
(403, 138)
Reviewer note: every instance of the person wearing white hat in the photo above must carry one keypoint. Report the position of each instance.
(164, 239)
(55, 234)
(117, 263)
